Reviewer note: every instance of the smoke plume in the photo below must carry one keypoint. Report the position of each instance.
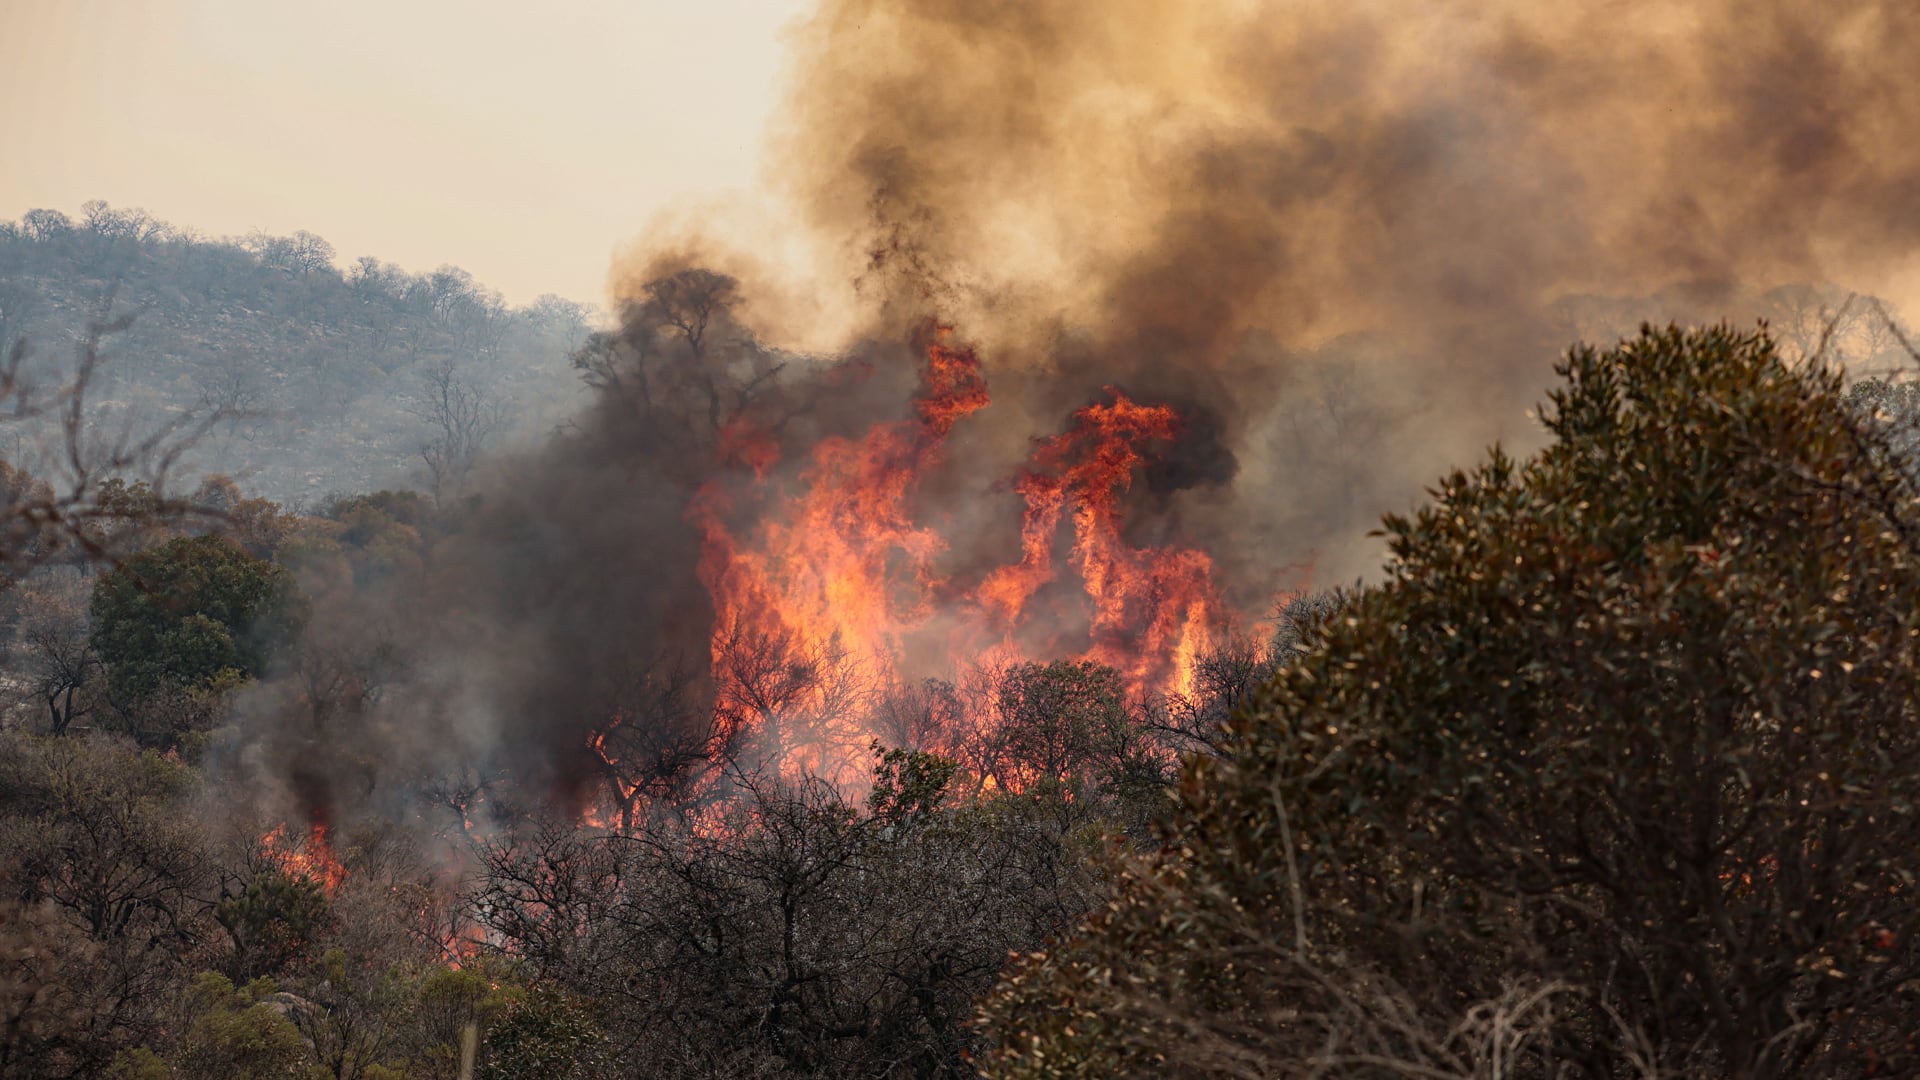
(1343, 243)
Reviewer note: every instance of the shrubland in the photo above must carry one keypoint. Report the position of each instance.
(1609, 775)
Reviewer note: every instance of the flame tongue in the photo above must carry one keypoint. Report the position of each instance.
(1153, 610)
(821, 567)
(835, 573)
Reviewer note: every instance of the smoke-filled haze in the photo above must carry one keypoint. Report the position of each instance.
(1118, 320)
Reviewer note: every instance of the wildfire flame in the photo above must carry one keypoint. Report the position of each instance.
(313, 859)
(835, 571)
(1154, 611)
(826, 565)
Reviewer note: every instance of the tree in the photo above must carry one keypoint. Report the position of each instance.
(1893, 409)
(69, 512)
(190, 614)
(1057, 720)
(565, 318)
(56, 652)
(130, 225)
(1616, 774)
(462, 418)
(102, 867)
(239, 1033)
(46, 225)
(258, 526)
(301, 253)
(791, 931)
(360, 1016)
(273, 923)
(47, 1017)
(101, 833)
(1226, 679)
(232, 389)
(683, 367)
(449, 291)
(544, 1033)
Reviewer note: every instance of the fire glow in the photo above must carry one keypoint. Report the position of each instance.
(312, 859)
(838, 570)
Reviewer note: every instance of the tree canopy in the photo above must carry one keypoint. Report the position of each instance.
(1615, 774)
(190, 613)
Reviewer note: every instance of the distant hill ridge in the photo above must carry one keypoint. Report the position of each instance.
(332, 364)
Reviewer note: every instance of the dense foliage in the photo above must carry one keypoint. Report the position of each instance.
(192, 613)
(1614, 775)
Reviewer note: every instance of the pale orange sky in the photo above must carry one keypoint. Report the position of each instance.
(522, 140)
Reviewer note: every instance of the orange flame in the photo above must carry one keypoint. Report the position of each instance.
(835, 573)
(840, 568)
(1153, 610)
(459, 948)
(313, 859)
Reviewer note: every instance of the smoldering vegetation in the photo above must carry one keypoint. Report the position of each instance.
(515, 734)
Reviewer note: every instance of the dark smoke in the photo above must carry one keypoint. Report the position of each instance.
(1213, 201)
(1347, 240)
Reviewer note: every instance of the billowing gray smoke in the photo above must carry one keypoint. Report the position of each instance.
(1361, 232)
(1347, 240)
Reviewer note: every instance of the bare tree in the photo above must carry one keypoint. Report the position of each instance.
(233, 390)
(560, 315)
(70, 508)
(55, 649)
(463, 417)
(682, 363)
(301, 253)
(782, 703)
(656, 740)
(491, 318)
(43, 224)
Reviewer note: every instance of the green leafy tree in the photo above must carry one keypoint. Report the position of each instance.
(274, 922)
(544, 1035)
(1058, 721)
(1616, 774)
(908, 785)
(1065, 732)
(194, 613)
(239, 1033)
(139, 1063)
(362, 1015)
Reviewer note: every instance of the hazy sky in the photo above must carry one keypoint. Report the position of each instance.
(521, 140)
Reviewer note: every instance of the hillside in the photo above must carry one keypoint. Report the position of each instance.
(330, 367)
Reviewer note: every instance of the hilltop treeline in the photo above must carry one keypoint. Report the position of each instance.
(332, 373)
